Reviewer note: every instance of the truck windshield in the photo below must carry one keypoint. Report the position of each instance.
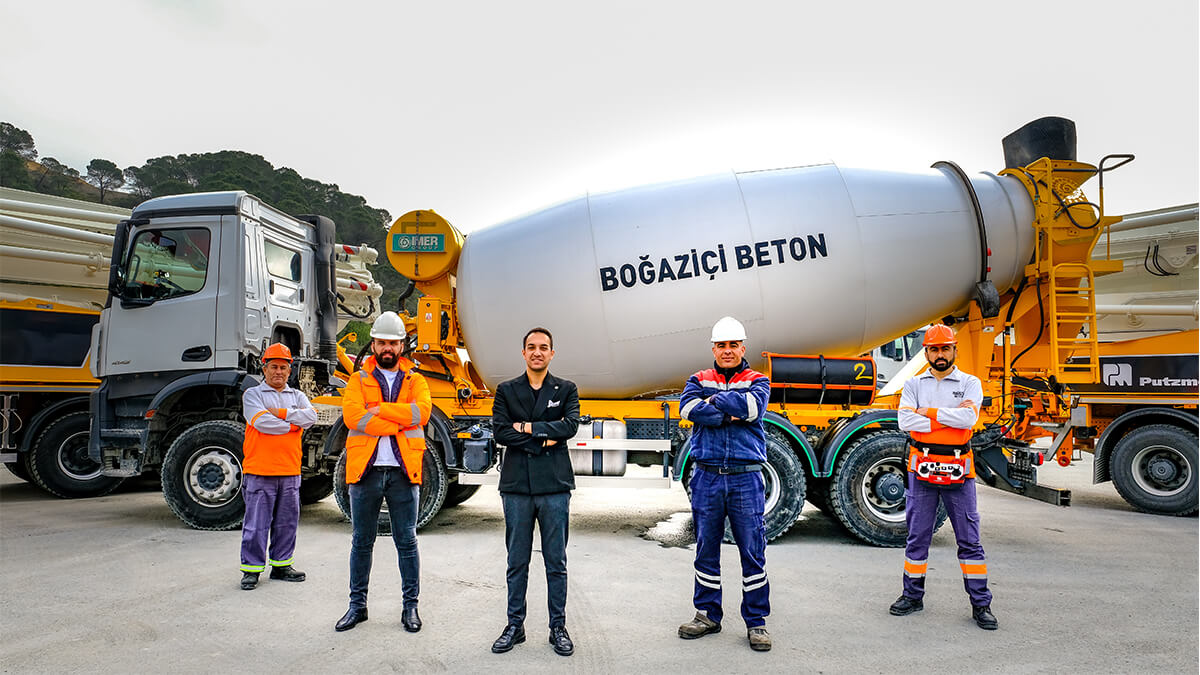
(166, 264)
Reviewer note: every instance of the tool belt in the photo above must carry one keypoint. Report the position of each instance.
(939, 464)
(726, 470)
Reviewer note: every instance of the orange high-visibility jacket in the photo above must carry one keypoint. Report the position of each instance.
(953, 408)
(274, 422)
(403, 420)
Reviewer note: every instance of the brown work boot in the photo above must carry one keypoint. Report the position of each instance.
(698, 627)
(760, 639)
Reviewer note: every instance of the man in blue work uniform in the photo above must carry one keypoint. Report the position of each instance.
(725, 405)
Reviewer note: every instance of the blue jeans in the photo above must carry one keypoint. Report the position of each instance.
(366, 498)
(741, 498)
(553, 515)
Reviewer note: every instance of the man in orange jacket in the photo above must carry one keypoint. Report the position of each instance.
(385, 407)
(275, 415)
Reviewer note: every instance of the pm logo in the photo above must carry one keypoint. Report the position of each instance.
(1117, 375)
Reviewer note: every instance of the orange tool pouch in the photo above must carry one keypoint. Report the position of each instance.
(940, 464)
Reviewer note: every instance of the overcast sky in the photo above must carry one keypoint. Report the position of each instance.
(486, 110)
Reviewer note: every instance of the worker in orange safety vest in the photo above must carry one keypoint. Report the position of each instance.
(275, 416)
(385, 406)
(939, 409)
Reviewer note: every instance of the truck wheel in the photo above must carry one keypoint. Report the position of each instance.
(59, 462)
(431, 496)
(315, 488)
(1154, 469)
(202, 475)
(457, 494)
(784, 478)
(867, 492)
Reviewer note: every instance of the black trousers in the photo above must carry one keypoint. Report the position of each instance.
(552, 513)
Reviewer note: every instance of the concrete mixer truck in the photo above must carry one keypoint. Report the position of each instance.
(818, 260)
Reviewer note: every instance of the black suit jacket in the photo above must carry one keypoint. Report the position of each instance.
(530, 467)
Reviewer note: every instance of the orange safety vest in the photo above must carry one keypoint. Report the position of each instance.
(271, 454)
(403, 420)
(940, 434)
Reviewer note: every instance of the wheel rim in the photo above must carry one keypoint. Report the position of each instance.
(882, 490)
(1161, 470)
(73, 460)
(771, 489)
(214, 476)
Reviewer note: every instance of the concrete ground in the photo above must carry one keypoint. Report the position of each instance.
(117, 584)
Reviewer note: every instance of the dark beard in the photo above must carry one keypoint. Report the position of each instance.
(386, 360)
(941, 369)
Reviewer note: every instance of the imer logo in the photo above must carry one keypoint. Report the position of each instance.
(1117, 375)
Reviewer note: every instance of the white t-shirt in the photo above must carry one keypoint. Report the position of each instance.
(386, 456)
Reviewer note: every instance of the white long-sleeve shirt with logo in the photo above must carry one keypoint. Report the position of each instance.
(946, 395)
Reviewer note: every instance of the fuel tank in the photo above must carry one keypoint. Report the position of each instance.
(812, 260)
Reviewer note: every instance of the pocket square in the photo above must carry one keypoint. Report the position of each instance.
(553, 404)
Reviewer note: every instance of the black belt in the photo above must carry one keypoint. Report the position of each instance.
(725, 470)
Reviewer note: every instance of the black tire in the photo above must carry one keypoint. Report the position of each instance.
(315, 488)
(457, 493)
(1154, 469)
(432, 493)
(202, 475)
(785, 484)
(817, 494)
(59, 463)
(867, 491)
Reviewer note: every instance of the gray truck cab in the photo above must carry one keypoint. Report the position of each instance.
(200, 284)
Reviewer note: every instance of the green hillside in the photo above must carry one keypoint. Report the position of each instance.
(102, 181)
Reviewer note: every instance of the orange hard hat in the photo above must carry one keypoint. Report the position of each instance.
(941, 334)
(277, 351)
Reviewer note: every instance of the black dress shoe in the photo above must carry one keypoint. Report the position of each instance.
(561, 641)
(249, 580)
(513, 635)
(906, 605)
(410, 619)
(353, 617)
(984, 617)
(287, 573)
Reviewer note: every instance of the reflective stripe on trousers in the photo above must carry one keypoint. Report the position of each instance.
(741, 498)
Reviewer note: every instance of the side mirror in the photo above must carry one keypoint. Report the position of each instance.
(116, 281)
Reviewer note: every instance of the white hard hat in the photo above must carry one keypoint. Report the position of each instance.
(728, 328)
(389, 326)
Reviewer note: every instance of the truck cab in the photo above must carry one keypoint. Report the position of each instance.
(199, 286)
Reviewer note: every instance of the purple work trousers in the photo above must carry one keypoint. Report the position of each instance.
(272, 510)
(920, 512)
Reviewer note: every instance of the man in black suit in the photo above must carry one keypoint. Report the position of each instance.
(533, 416)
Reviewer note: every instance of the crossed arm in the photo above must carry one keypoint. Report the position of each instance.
(725, 406)
(276, 421)
(387, 419)
(534, 437)
(913, 417)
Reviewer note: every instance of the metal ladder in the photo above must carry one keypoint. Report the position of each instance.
(1074, 359)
